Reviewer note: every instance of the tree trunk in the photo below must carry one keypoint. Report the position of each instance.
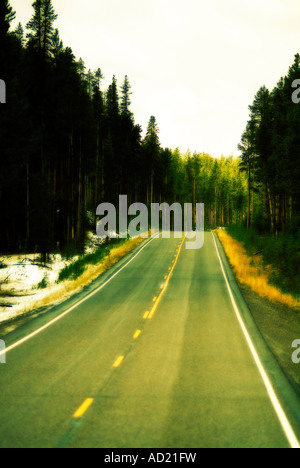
(27, 203)
(249, 197)
(79, 204)
(152, 190)
(271, 207)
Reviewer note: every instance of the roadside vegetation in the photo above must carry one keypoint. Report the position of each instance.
(269, 265)
(280, 254)
(270, 154)
(78, 267)
(32, 286)
(86, 270)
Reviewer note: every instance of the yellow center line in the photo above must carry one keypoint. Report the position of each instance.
(154, 299)
(83, 408)
(171, 269)
(137, 334)
(118, 362)
(146, 315)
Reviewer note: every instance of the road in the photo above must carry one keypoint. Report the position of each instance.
(152, 356)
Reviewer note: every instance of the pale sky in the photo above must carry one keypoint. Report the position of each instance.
(195, 65)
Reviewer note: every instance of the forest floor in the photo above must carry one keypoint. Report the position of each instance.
(26, 284)
(278, 323)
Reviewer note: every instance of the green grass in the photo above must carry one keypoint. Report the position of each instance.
(44, 283)
(281, 252)
(78, 267)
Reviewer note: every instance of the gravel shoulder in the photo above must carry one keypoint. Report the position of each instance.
(280, 326)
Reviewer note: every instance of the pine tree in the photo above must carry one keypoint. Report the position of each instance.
(7, 15)
(272, 137)
(112, 101)
(98, 77)
(40, 49)
(19, 34)
(99, 121)
(292, 145)
(261, 116)
(247, 165)
(91, 82)
(14, 134)
(152, 151)
(57, 45)
(49, 17)
(41, 27)
(36, 25)
(152, 135)
(125, 99)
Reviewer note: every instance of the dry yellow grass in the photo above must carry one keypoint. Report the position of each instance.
(250, 271)
(68, 288)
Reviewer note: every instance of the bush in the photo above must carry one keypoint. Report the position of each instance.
(281, 252)
(72, 271)
(44, 283)
(252, 241)
(78, 267)
(96, 257)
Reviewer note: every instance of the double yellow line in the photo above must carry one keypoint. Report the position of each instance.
(168, 277)
(148, 315)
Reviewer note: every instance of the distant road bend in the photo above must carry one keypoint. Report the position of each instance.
(160, 353)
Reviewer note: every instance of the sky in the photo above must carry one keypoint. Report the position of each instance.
(195, 65)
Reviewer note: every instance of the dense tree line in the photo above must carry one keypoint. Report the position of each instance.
(200, 178)
(270, 149)
(67, 145)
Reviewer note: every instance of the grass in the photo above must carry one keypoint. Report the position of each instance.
(280, 254)
(251, 269)
(78, 267)
(43, 284)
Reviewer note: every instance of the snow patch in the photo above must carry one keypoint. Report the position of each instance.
(23, 280)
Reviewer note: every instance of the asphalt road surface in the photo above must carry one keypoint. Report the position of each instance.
(160, 353)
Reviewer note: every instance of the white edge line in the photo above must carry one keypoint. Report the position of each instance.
(44, 327)
(290, 435)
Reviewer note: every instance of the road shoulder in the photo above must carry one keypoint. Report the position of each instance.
(280, 326)
(285, 387)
